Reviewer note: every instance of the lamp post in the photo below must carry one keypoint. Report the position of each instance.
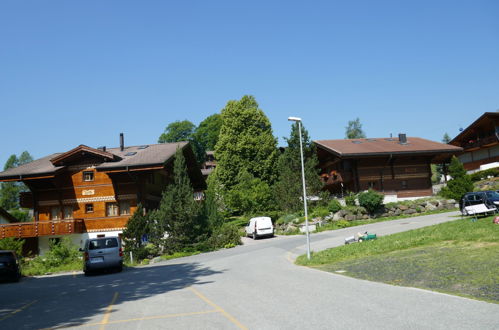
(298, 120)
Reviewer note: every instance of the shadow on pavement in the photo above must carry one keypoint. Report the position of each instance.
(71, 300)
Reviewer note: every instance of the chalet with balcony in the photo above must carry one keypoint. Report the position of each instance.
(87, 192)
(392, 166)
(480, 143)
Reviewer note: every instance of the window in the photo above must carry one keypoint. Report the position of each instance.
(124, 208)
(55, 213)
(88, 176)
(89, 208)
(111, 209)
(68, 212)
(404, 184)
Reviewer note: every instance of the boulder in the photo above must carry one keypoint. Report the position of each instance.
(349, 217)
(403, 207)
(430, 207)
(338, 216)
(410, 211)
(450, 201)
(365, 217)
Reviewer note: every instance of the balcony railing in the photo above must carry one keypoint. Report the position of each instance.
(486, 141)
(42, 228)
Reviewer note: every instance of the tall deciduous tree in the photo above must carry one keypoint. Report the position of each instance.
(354, 130)
(207, 132)
(288, 188)
(183, 131)
(179, 215)
(246, 143)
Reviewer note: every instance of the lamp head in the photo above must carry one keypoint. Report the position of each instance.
(294, 118)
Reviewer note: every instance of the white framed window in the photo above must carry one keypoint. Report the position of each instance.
(68, 212)
(124, 208)
(111, 209)
(55, 213)
(88, 176)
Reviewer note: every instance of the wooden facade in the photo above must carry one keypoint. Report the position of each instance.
(480, 142)
(91, 190)
(384, 165)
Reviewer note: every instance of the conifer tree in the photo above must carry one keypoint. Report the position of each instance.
(288, 189)
(137, 226)
(179, 214)
(461, 182)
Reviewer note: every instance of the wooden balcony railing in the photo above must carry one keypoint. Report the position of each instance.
(42, 228)
(107, 223)
(483, 142)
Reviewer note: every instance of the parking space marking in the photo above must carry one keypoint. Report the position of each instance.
(105, 320)
(218, 308)
(18, 310)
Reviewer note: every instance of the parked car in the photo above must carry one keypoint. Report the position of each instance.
(102, 253)
(490, 198)
(9, 266)
(260, 227)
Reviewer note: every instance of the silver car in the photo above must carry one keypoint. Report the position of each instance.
(102, 253)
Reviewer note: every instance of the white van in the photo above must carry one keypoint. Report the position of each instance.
(259, 227)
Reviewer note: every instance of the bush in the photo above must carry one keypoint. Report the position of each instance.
(371, 200)
(480, 175)
(225, 235)
(320, 212)
(11, 243)
(334, 206)
(350, 199)
(456, 188)
(343, 223)
(286, 219)
(62, 256)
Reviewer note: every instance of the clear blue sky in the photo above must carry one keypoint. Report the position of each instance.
(81, 72)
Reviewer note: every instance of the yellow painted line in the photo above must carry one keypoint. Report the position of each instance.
(218, 308)
(105, 320)
(155, 317)
(18, 310)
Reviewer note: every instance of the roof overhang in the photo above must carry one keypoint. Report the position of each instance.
(79, 151)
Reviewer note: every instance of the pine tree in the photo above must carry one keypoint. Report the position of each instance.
(136, 228)
(179, 215)
(288, 188)
(461, 182)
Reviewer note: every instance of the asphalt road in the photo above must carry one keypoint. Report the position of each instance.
(255, 286)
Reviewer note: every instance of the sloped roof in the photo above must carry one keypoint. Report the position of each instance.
(486, 121)
(382, 146)
(134, 156)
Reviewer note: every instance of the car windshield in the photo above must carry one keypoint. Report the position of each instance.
(492, 195)
(103, 244)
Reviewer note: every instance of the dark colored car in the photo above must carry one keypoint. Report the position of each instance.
(489, 198)
(9, 266)
(102, 253)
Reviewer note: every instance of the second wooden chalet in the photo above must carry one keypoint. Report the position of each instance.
(393, 166)
(87, 192)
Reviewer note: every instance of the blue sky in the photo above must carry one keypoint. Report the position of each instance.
(81, 72)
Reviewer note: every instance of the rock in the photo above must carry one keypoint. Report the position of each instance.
(450, 201)
(349, 217)
(365, 217)
(338, 216)
(430, 207)
(290, 228)
(410, 211)
(397, 212)
(403, 207)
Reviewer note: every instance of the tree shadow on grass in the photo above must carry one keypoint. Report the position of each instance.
(71, 300)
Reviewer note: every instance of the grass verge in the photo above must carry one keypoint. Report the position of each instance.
(458, 257)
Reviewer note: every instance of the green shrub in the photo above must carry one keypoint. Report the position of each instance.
(480, 175)
(224, 235)
(62, 256)
(320, 212)
(350, 199)
(456, 188)
(371, 200)
(11, 243)
(334, 206)
(286, 219)
(343, 223)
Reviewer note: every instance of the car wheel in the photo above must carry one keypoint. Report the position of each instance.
(254, 235)
(120, 268)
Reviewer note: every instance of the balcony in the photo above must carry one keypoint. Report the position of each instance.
(483, 142)
(42, 228)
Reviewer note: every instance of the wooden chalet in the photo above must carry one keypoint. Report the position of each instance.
(87, 192)
(392, 166)
(480, 143)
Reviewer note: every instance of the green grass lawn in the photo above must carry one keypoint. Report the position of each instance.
(459, 257)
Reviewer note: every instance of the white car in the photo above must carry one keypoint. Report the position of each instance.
(259, 227)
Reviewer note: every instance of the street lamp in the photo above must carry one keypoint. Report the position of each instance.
(297, 119)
